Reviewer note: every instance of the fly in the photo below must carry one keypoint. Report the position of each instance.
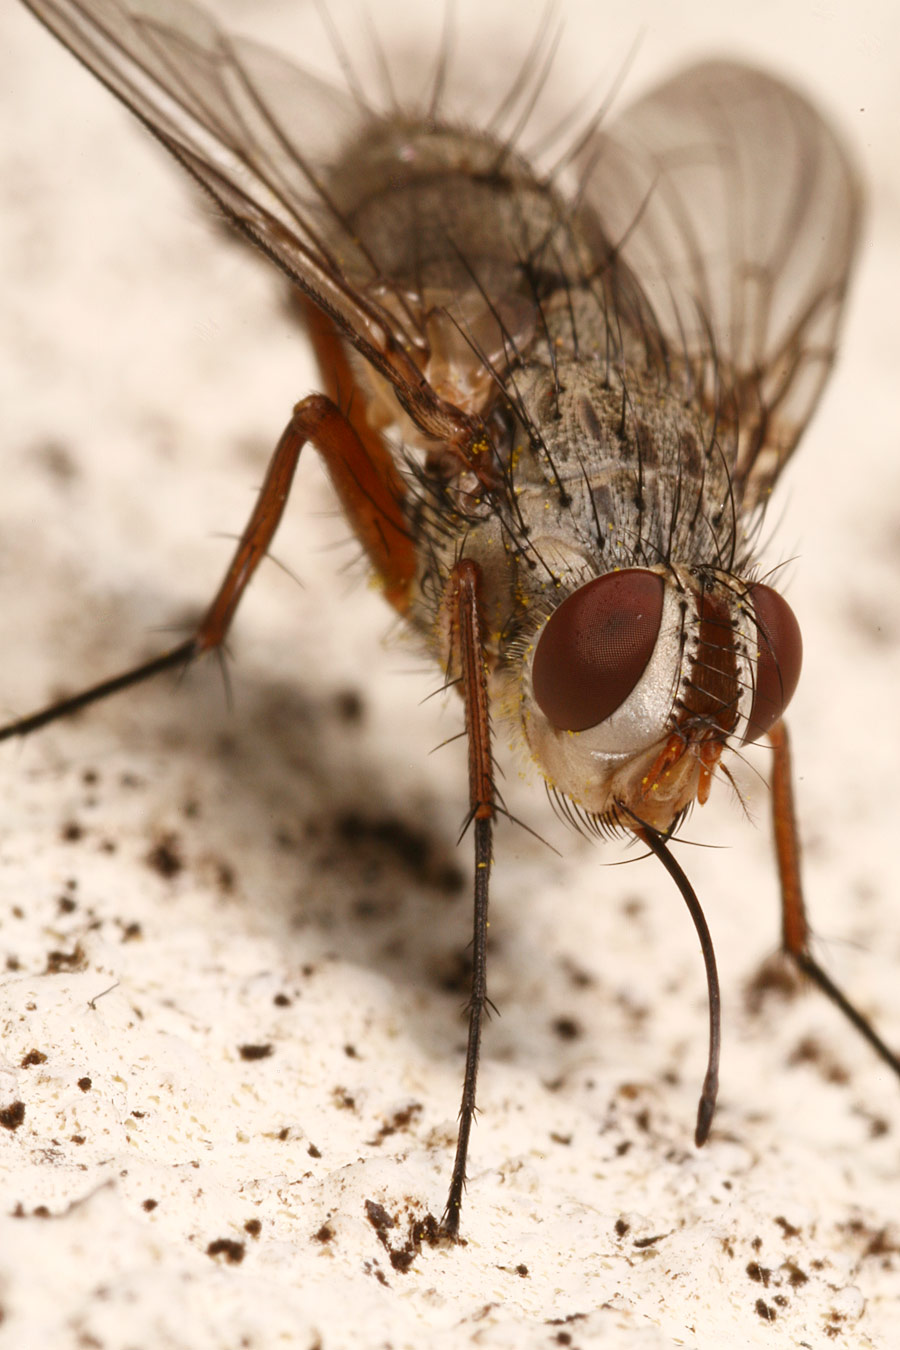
(554, 404)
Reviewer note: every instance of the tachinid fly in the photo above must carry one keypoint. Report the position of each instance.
(556, 396)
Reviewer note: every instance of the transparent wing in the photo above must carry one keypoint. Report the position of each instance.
(737, 209)
(730, 199)
(252, 128)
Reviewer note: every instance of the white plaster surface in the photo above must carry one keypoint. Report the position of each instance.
(146, 368)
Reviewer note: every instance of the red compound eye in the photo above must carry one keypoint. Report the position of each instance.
(595, 648)
(779, 657)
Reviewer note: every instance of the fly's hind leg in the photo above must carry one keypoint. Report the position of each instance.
(371, 494)
(795, 935)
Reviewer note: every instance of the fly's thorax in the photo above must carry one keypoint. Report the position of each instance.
(636, 681)
(623, 464)
(582, 488)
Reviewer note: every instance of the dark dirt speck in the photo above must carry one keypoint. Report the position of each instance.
(232, 1251)
(12, 1116)
(251, 1052)
(165, 857)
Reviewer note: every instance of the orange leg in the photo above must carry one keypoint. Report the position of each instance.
(371, 494)
(794, 926)
(370, 488)
(467, 647)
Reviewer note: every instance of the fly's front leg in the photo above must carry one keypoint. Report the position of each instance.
(371, 494)
(460, 612)
(795, 929)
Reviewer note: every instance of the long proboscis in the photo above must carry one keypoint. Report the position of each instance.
(656, 842)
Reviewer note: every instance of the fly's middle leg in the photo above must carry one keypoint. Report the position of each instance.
(371, 496)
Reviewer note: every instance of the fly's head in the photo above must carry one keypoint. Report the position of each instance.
(639, 678)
